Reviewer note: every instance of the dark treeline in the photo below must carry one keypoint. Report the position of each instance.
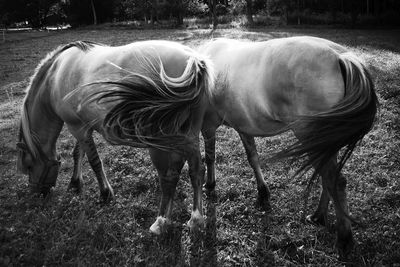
(40, 13)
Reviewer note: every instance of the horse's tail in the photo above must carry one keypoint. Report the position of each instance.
(343, 126)
(324, 134)
(153, 109)
(33, 89)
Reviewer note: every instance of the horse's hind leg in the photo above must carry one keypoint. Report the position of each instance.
(336, 190)
(209, 146)
(196, 173)
(76, 179)
(169, 166)
(320, 215)
(252, 156)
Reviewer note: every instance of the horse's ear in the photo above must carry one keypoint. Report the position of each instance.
(22, 146)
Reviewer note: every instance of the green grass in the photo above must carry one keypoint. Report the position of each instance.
(69, 229)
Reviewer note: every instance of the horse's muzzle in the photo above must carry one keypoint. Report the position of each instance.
(47, 179)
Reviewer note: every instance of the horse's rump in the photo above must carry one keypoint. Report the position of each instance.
(343, 126)
(310, 85)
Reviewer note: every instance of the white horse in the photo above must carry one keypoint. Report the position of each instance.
(149, 94)
(312, 86)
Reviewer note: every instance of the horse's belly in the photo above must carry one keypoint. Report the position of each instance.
(247, 111)
(257, 126)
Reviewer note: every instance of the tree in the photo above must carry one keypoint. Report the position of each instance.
(212, 5)
(94, 12)
(153, 12)
(249, 12)
(333, 6)
(36, 12)
(179, 8)
(354, 10)
(88, 11)
(11, 11)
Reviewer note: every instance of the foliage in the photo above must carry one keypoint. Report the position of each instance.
(35, 12)
(237, 7)
(79, 12)
(195, 8)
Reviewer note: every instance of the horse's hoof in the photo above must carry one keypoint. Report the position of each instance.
(75, 186)
(344, 248)
(46, 192)
(316, 220)
(211, 195)
(209, 186)
(263, 198)
(196, 221)
(158, 226)
(264, 204)
(107, 195)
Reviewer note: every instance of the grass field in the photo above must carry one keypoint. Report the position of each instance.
(76, 230)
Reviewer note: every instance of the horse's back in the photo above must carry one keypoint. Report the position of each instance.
(262, 86)
(77, 74)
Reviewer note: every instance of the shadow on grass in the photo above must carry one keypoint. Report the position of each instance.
(203, 249)
(264, 257)
(163, 250)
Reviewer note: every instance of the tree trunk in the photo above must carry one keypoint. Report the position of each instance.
(181, 12)
(333, 7)
(287, 14)
(153, 12)
(212, 4)
(354, 12)
(94, 12)
(249, 12)
(267, 7)
(298, 12)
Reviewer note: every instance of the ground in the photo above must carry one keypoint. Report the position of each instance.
(70, 229)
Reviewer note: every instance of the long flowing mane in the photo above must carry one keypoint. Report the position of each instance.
(34, 90)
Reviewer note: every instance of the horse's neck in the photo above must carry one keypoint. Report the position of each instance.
(44, 123)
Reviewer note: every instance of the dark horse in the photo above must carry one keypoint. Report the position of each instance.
(312, 86)
(149, 94)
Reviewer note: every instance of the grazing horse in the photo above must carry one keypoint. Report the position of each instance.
(147, 94)
(312, 86)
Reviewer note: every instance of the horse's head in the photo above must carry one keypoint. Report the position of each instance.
(41, 170)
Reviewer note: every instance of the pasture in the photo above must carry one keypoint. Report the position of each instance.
(77, 230)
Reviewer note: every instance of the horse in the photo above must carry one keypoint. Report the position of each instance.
(314, 87)
(149, 94)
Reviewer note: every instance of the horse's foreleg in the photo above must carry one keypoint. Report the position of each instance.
(209, 145)
(252, 156)
(169, 166)
(196, 173)
(76, 179)
(89, 147)
(336, 190)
